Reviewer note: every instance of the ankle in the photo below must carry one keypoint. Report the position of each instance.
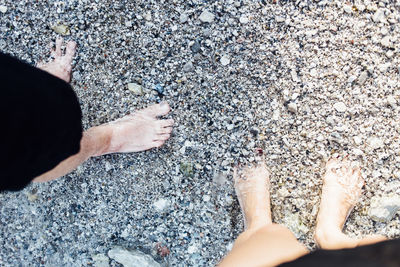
(257, 222)
(98, 140)
(327, 237)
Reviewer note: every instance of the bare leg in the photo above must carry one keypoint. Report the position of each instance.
(133, 133)
(263, 243)
(340, 192)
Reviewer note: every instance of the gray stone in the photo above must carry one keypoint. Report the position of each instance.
(383, 209)
(188, 67)
(292, 107)
(183, 18)
(132, 258)
(207, 16)
(100, 260)
(363, 77)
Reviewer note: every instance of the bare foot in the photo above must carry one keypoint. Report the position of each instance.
(252, 190)
(139, 131)
(340, 193)
(60, 66)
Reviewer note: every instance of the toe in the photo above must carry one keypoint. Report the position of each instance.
(165, 130)
(70, 50)
(166, 123)
(332, 163)
(59, 42)
(157, 110)
(163, 137)
(158, 143)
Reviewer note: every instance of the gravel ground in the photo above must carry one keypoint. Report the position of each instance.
(296, 80)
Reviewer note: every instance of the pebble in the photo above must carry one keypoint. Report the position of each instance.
(225, 60)
(385, 41)
(363, 77)
(280, 19)
(159, 88)
(347, 8)
(132, 258)
(244, 19)
(379, 16)
(100, 260)
(188, 67)
(183, 18)
(62, 29)
(292, 107)
(135, 88)
(375, 142)
(207, 16)
(357, 140)
(161, 204)
(340, 107)
(3, 9)
(383, 209)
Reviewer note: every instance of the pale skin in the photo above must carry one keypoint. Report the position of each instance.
(136, 132)
(264, 243)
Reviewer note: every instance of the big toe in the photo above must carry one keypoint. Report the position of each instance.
(157, 110)
(70, 50)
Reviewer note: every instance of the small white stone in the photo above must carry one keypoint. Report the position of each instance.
(340, 107)
(379, 16)
(375, 143)
(207, 16)
(183, 18)
(3, 9)
(357, 152)
(135, 88)
(386, 41)
(206, 198)
(225, 60)
(148, 17)
(128, 23)
(360, 7)
(389, 53)
(161, 204)
(132, 258)
(391, 101)
(347, 8)
(357, 140)
(279, 19)
(384, 31)
(292, 107)
(384, 67)
(293, 73)
(192, 249)
(244, 19)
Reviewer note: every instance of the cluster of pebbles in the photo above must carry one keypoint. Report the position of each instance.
(293, 82)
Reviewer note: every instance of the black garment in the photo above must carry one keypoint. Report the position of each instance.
(41, 123)
(382, 254)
